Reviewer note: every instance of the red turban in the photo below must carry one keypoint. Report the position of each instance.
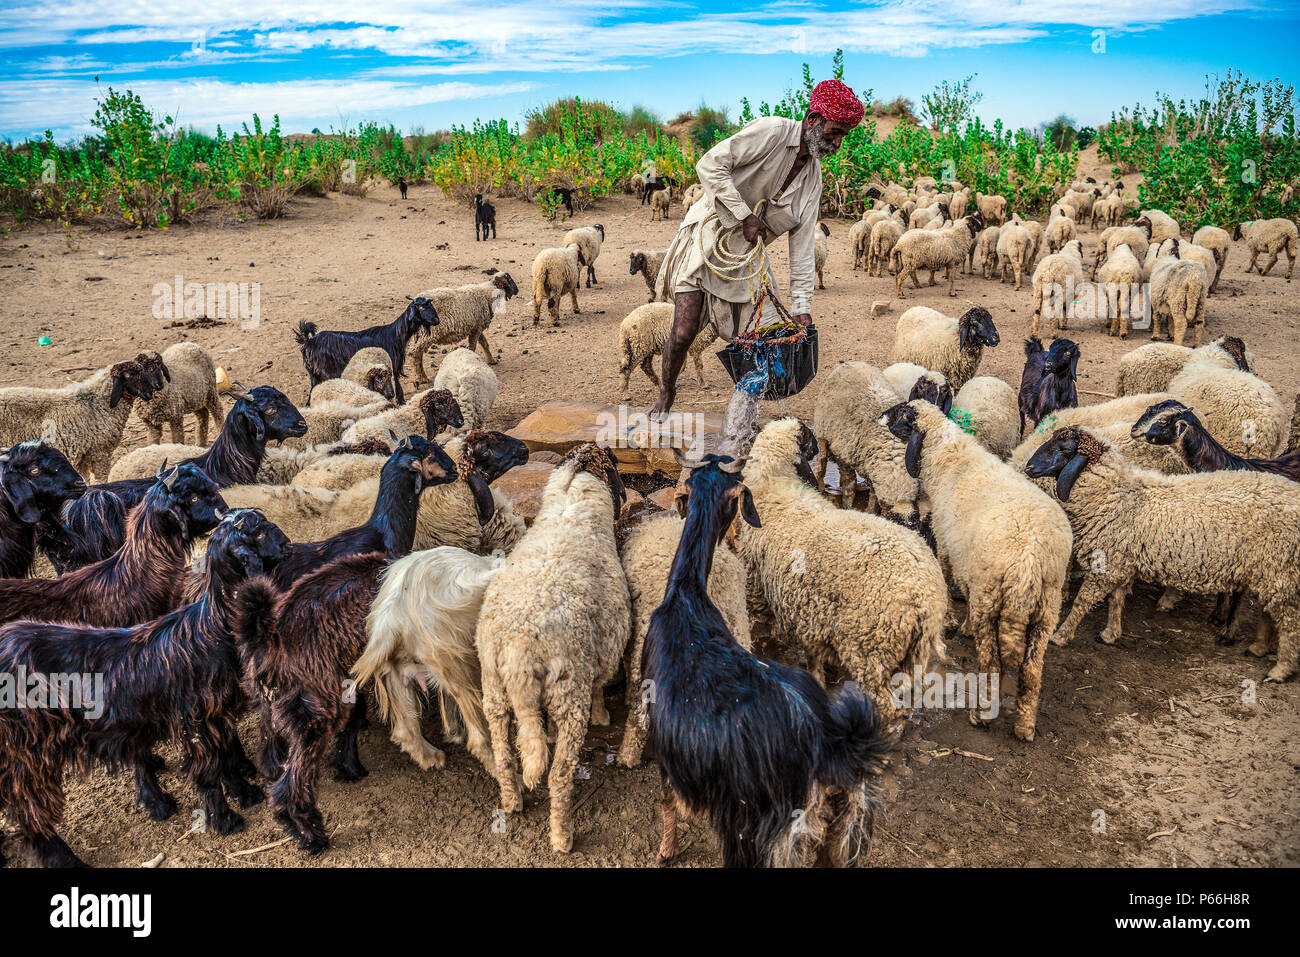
(836, 102)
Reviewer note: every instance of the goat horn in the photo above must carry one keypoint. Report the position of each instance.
(684, 460)
(169, 482)
(239, 390)
(732, 468)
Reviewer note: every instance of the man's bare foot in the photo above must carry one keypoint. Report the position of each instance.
(662, 406)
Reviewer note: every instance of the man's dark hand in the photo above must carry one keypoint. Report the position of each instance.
(803, 319)
(753, 228)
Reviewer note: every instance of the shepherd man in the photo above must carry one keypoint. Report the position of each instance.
(766, 180)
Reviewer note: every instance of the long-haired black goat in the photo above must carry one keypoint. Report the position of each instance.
(416, 464)
(485, 218)
(141, 580)
(93, 527)
(1172, 423)
(35, 480)
(326, 354)
(176, 678)
(780, 768)
(1048, 381)
(297, 649)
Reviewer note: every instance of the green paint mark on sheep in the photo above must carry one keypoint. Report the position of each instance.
(964, 419)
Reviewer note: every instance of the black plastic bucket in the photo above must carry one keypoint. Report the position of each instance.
(798, 360)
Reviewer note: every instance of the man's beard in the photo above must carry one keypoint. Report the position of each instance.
(815, 139)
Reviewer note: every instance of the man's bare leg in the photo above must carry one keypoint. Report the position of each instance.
(688, 317)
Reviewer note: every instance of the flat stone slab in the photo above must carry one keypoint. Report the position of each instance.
(523, 486)
(641, 446)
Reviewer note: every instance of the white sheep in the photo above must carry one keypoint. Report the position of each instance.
(472, 384)
(1270, 236)
(945, 249)
(1178, 291)
(83, 420)
(551, 633)
(860, 242)
(1119, 276)
(1181, 249)
(1060, 230)
(556, 273)
(1007, 545)
(1158, 225)
(1055, 280)
(986, 244)
(884, 237)
(191, 387)
(1242, 411)
(464, 313)
(993, 209)
(411, 418)
(1015, 247)
(328, 421)
(1114, 236)
(588, 239)
(989, 409)
(1218, 242)
(643, 334)
(1207, 533)
(947, 345)
(647, 555)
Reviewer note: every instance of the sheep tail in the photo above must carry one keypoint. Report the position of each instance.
(256, 615)
(304, 332)
(625, 344)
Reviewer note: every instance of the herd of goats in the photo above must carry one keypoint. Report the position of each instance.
(310, 562)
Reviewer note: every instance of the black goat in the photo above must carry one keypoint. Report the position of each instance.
(326, 354)
(141, 580)
(401, 185)
(176, 678)
(485, 218)
(779, 766)
(656, 183)
(1048, 382)
(1172, 423)
(415, 465)
(35, 480)
(565, 196)
(93, 527)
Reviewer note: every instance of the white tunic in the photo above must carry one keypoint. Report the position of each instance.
(738, 175)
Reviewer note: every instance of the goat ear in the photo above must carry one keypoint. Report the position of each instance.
(747, 510)
(913, 458)
(119, 383)
(1069, 475)
(484, 505)
(19, 492)
(259, 427)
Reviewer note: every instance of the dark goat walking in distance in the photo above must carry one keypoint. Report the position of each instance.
(142, 579)
(173, 679)
(326, 354)
(485, 218)
(93, 527)
(781, 769)
(35, 481)
(1048, 382)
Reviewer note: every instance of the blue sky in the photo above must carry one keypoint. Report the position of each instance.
(432, 63)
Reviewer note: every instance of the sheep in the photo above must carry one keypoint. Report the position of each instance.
(326, 354)
(1007, 544)
(1113, 237)
(485, 218)
(932, 214)
(860, 243)
(1152, 367)
(1049, 380)
(952, 347)
(647, 555)
(987, 246)
(661, 200)
(1059, 231)
(1177, 249)
(464, 312)
(636, 184)
(647, 263)
(138, 581)
(1120, 275)
(1055, 279)
(1178, 291)
(1035, 230)
(987, 408)
(783, 771)
(36, 479)
(958, 204)
(1174, 424)
(841, 585)
(472, 384)
(84, 420)
(903, 376)
(1218, 242)
(173, 678)
(992, 209)
(1243, 411)
(588, 239)
(371, 367)
(343, 392)
(846, 424)
(1157, 225)
(1111, 210)
(884, 237)
(924, 249)
(427, 414)
(1270, 236)
(1082, 201)
(556, 272)
(192, 387)
(820, 252)
(693, 192)
(552, 629)
(1217, 532)
(1015, 249)
(642, 335)
(327, 421)
(281, 465)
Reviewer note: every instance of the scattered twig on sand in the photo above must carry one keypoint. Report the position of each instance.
(1152, 837)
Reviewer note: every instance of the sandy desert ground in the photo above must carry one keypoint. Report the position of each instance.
(1153, 732)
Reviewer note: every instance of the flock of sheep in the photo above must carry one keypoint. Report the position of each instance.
(309, 559)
